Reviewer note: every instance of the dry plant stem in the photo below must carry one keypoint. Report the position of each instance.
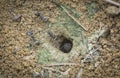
(54, 70)
(80, 73)
(63, 64)
(82, 62)
(113, 2)
(65, 73)
(50, 74)
(51, 69)
(73, 18)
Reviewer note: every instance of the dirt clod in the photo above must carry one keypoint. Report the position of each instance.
(113, 10)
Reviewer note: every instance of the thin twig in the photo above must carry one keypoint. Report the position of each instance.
(70, 15)
(80, 73)
(54, 70)
(63, 64)
(65, 73)
(73, 18)
(113, 2)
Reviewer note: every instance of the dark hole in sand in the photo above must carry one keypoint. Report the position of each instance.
(66, 45)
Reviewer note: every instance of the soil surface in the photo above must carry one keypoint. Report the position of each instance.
(25, 30)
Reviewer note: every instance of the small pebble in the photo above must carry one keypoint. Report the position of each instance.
(51, 35)
(37, 13)
(45, 19)
(23, 34)
(105, 33)
(30, 33)
(17, 18)
(41, 16)
(37, 43)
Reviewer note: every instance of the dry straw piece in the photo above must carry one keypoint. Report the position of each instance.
(73, 18)
(113, 2)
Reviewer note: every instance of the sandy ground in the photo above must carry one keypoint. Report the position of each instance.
(21, 33)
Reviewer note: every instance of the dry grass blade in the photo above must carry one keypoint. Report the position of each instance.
(57, 71)
(54, 70)
(63, 64)
(65, 73)
(73, 18)
(80, 73)
(113, 2)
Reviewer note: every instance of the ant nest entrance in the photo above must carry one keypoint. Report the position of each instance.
(61, 42)
(66, 45)
(60, 46)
